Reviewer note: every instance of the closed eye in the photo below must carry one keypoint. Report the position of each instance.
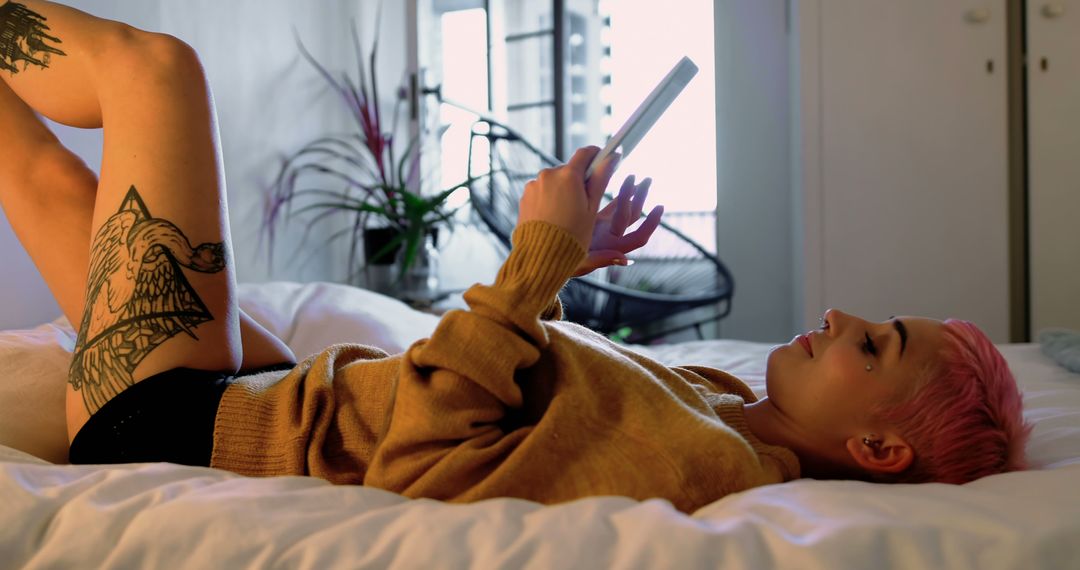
(868, 346)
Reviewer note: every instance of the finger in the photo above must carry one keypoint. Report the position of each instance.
(601, 258)
(597, 183)
(621, 218)
(627, 185)
(611, 207)
(606, 257)
(579, 163)
(641, 193)
(640, 236)
(608, 210)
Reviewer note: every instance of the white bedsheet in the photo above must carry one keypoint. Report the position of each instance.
(168, 516)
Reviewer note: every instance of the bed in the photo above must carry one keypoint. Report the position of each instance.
(54, 515)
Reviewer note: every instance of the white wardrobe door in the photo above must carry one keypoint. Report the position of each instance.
(914, 160)
(1054, 163)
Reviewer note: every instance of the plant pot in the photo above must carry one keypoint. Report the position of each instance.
(375, 239)
(420, 282)
(380, 273)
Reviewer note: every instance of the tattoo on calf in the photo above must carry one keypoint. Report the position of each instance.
(23, 37)
(136, 298)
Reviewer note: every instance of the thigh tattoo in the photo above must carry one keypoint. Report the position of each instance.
(23, 38)
(136, 298)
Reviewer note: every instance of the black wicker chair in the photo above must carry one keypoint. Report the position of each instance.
(675, 284)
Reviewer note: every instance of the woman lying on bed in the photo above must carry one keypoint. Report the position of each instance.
(504, 400)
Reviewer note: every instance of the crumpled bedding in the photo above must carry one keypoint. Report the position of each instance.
(164, 515)
(1063, 345)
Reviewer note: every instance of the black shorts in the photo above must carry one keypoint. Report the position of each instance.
(166, 417)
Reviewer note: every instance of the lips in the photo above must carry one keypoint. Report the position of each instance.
(804, 341)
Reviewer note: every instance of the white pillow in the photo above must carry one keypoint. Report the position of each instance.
(33, 378)
(1051, 404)
(311, 316)
(308, 317)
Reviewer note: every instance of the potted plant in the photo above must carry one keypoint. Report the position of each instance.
(361, 174)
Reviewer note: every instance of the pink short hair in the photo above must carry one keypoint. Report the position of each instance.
(965, 419)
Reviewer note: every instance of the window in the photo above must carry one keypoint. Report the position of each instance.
(569, 81)
(680, 151)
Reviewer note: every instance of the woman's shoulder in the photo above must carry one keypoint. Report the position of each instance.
(721, 382)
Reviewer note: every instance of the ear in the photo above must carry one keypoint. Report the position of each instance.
(893, 455)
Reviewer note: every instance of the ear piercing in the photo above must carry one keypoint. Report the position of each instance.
(872, 443)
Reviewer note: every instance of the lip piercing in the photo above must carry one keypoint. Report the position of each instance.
(869, 367)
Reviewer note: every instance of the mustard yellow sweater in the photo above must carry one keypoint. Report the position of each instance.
(501, 402)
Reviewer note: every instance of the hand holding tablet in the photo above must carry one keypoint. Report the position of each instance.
(646, 115)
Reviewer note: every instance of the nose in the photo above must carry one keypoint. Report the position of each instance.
(836, 319)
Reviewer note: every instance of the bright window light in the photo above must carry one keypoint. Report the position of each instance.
(679, 153)
(465, 80)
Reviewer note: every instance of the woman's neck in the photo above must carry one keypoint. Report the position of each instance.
(772, 426)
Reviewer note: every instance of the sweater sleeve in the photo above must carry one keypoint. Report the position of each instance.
(444, 438)
(554, 312)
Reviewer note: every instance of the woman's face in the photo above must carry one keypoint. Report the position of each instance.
(820, 381)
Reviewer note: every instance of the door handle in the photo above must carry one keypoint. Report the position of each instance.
(1053, 10)
(977, 15)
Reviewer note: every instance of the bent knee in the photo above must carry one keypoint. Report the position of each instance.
(166, 53)
(148, 55)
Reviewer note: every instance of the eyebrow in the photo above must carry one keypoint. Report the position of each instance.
(902, 330)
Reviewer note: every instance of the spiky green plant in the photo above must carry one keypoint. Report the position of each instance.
(370, 183)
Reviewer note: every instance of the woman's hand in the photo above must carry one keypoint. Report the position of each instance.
(561, 195)
(609, 245)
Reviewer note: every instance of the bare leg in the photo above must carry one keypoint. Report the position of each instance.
(158, 279)
(48, 196)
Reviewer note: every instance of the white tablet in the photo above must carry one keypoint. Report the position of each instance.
(646, 115)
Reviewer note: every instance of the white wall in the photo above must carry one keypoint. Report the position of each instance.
(1054, 172)
(910, 138)
(754, 202)
(25, 300)
(269, 103)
